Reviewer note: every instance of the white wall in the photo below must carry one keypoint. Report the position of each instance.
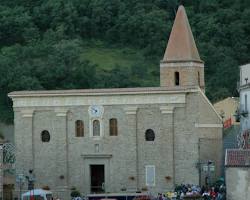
(238, 183)
(244, 73)
(245, 106)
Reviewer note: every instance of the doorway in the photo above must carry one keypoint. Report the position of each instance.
(97, 179)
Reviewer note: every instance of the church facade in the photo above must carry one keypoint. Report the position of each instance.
(126, 139)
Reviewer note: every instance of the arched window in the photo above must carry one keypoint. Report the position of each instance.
(177, 78)
(149, 135)
(113, 129)
(79, 128)
(96, 128)
(45, 136)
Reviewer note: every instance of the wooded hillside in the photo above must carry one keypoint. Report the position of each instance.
(63, 44)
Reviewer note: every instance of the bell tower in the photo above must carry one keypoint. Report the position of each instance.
(181, 64)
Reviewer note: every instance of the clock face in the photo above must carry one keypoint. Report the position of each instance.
(95, 111)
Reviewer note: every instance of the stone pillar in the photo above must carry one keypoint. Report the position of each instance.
(168, 130)
(133, 169)
(61, 134)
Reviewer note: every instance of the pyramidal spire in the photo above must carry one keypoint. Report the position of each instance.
(181, 45)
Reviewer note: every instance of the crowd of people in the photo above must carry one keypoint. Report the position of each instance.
(217, 192)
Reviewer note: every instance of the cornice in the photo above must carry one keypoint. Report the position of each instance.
(181, 64)
(105, 100)
(101, 92)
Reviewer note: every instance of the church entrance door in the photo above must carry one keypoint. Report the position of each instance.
(97, 177)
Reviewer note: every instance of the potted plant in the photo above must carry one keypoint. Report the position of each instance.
(74, 192)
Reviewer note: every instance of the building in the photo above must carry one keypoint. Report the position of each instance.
(244, 74)
(226, 109)
(237, 162)
(244, 90)
(130, 139)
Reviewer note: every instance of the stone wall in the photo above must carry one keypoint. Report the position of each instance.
(188, 75)
(65, 161)
(210, 150)
(196, 122)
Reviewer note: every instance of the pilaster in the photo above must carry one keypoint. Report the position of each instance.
(61, 134)
(168, 131)
(24, 135)
(131, 115)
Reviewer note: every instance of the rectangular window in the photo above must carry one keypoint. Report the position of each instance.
(113, 129)
(177, 78)
(245, 103)
(150, 175)
(79, 126)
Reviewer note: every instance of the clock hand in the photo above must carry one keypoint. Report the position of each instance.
(94, 110)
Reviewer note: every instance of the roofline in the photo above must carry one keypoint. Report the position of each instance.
(99, 92)
(238, 149)
(244, 65)
(237, 166)
(181, 61)
(210, 104)
(245, 86)
(237, 98)
(230, 165)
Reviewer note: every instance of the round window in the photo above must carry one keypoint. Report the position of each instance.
(45, 136)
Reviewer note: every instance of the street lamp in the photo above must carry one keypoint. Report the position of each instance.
(31, 179)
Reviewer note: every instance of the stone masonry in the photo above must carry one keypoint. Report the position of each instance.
(176, 118)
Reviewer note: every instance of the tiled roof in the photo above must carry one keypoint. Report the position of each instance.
(237, 158)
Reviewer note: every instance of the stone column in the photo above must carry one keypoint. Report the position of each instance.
(168, 130)
(133, 169)
(62, 158)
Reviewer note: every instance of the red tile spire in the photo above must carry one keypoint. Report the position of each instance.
(181, 45)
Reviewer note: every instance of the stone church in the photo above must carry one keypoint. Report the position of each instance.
(124, 139)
